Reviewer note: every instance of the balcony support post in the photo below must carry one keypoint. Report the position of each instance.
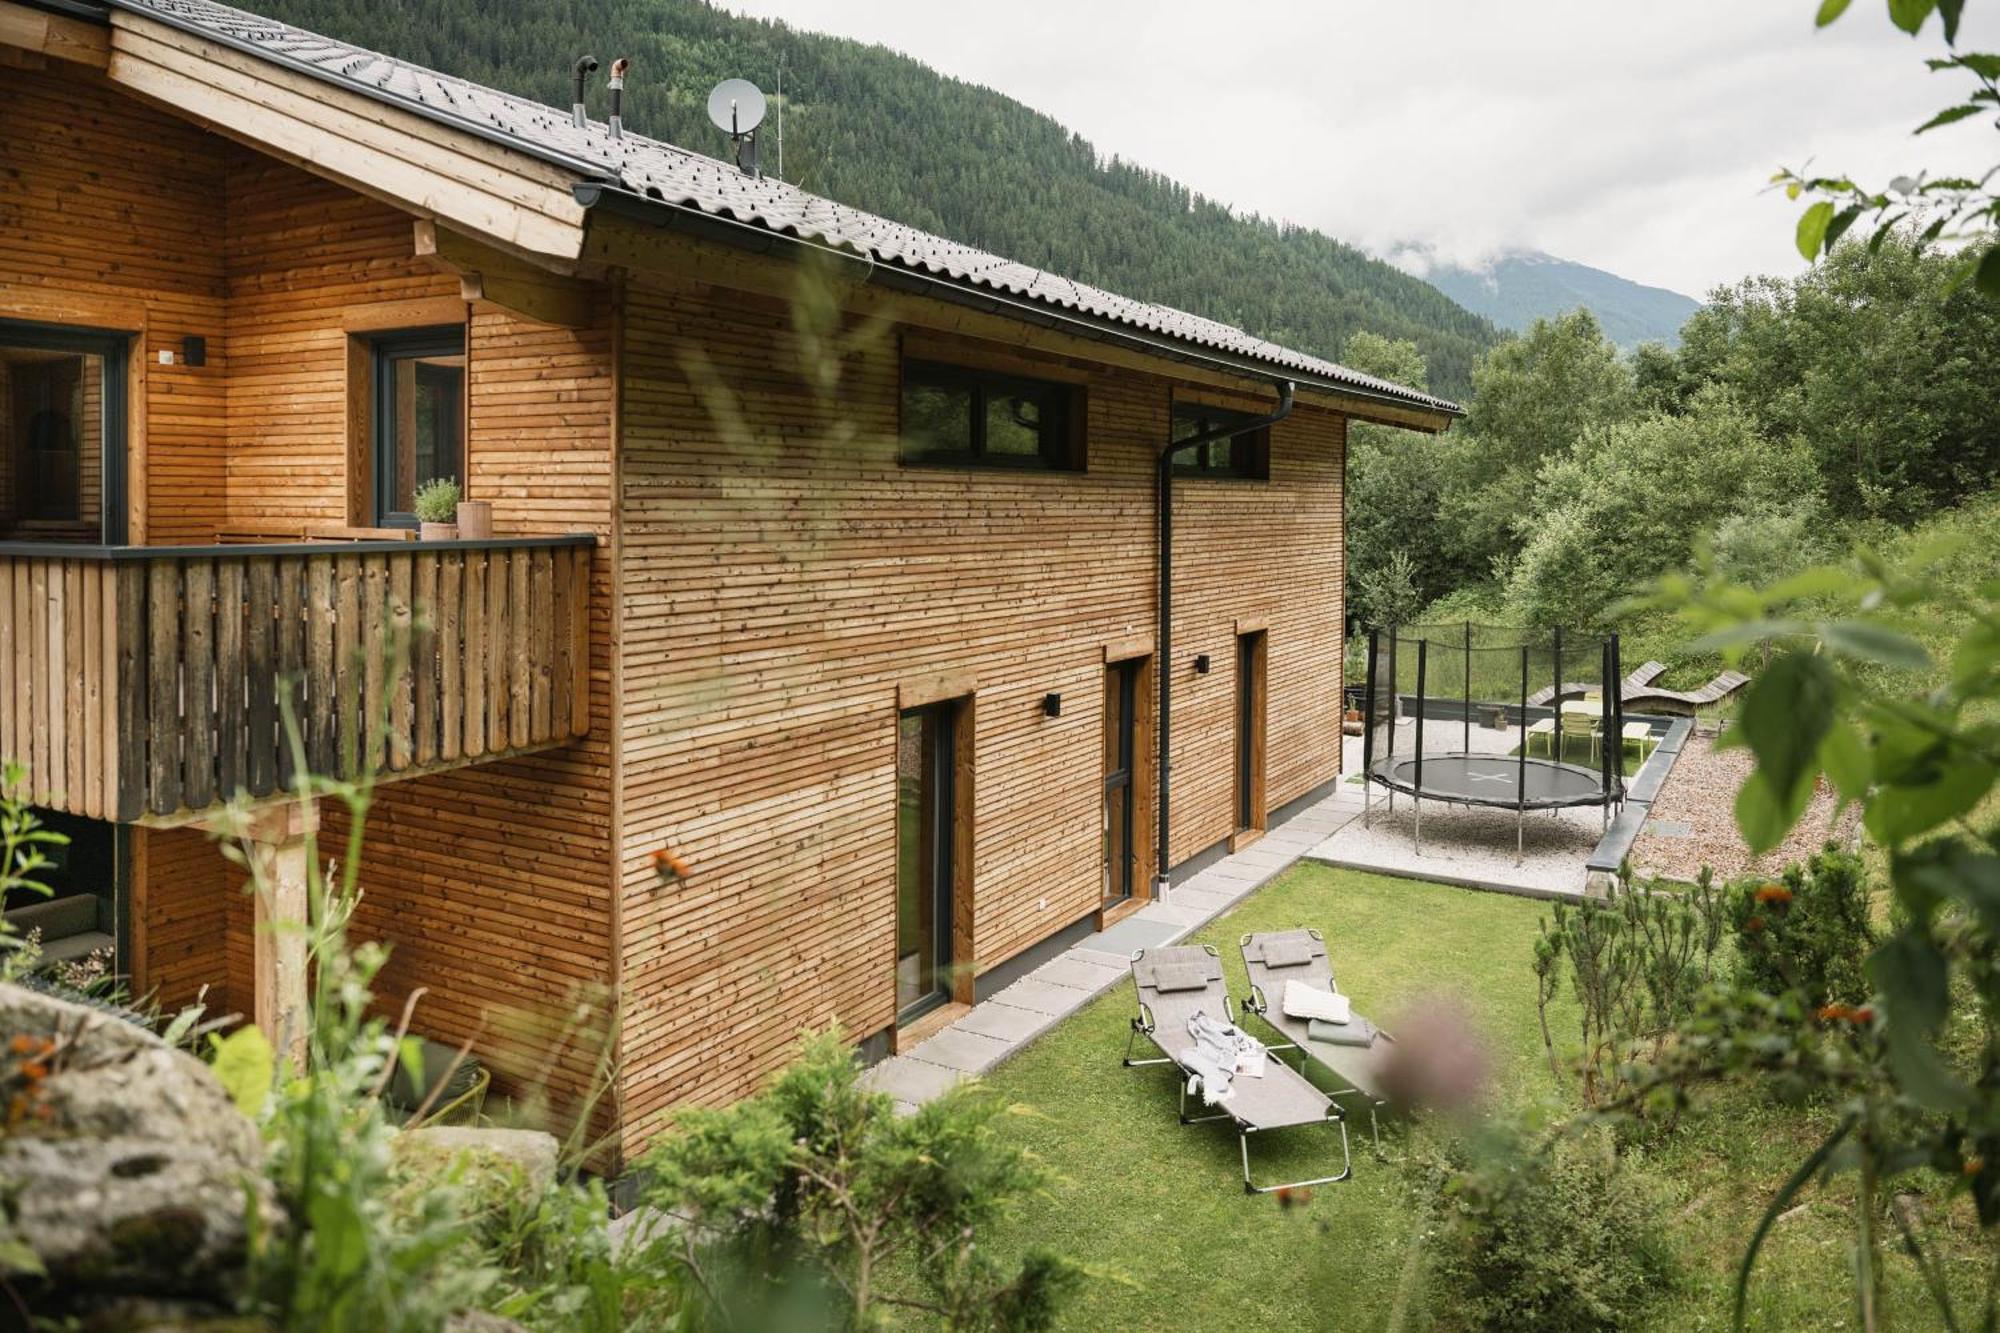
(277, 843)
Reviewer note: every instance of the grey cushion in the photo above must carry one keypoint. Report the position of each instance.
(80, 945)
(1356, 1032)
(1180, 977)
(1288, 950)
(57, 918)
(437, 1058)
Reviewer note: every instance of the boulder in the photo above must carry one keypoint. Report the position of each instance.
(127, 1162)
(523, 1160)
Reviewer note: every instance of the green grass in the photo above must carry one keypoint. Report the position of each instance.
(1157, 1209)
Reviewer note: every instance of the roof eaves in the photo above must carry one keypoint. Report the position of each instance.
(723, 224)
(587, 167)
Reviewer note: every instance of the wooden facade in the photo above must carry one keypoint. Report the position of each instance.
(741, 587)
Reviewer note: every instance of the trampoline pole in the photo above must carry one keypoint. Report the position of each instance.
(1417, 789)
(1468, 687)
(1521, 785)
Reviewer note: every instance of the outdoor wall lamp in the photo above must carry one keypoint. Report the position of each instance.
(1201, 664)
(1052, 705)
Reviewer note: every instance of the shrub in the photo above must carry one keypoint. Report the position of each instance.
(1808, 933)
(1558, 1239)
(436, 501)
(816, 1197)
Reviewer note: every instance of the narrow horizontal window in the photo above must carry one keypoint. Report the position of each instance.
(1246, 457)
(958, 416)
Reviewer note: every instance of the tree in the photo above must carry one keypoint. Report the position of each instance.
(1617, 509)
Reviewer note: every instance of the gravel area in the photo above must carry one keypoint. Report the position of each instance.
(1701, 794)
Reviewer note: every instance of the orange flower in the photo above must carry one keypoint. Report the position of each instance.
(1294, 1196)
(22, 1044)
(1773, 893)
(34, 1071)
(1846, 1013)
(1974, 1165)
(1754, 924)
(669, 867)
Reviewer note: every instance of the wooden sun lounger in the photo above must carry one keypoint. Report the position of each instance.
(1715, 691)
(1637, 680)
(1176, 982)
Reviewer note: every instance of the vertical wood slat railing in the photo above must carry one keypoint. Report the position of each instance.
(144, 683)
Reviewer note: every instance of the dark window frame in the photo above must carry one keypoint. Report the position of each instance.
(1249, 453)
(115, 347)
(383, 350)
(1064, 419)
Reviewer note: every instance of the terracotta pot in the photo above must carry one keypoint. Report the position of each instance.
(475, 519)
(437, 532)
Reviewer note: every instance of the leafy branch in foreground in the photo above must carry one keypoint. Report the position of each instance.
(1913, 1073)
(1961, 210)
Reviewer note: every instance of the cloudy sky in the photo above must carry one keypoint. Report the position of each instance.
(1633, 137)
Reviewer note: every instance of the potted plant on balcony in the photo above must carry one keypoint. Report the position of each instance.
(436, 506)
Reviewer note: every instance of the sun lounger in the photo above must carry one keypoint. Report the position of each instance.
(1176, 982)
(1725, 684)
(1276, 957)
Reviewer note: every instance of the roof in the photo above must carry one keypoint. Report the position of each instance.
(674, 176)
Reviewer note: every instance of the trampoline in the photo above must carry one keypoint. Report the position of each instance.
(1455, 714)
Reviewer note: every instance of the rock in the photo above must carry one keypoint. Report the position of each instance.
(526, 1156)
(127, 1161)
(480, 1321)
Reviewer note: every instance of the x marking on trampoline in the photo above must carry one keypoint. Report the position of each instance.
(1489, 777)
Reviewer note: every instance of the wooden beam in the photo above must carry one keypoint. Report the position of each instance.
(516, 286)
(278, 842)
(54, 35)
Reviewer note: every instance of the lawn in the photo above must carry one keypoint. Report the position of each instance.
(1158, 1211)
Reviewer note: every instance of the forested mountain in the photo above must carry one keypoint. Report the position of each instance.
(1521, 286)
(881, 131)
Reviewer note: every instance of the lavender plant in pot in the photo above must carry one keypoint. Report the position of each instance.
(436, 506)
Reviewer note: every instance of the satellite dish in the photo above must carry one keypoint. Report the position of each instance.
(736, 106)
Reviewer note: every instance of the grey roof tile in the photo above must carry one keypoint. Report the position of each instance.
(673, 175)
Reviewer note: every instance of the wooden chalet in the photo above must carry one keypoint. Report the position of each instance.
(828, 557)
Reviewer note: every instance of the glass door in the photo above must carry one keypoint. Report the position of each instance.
(62, 434)
(1121, 725)
(925, 809)
(1250, 731)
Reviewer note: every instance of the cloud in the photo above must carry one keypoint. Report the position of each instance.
(1638, 139)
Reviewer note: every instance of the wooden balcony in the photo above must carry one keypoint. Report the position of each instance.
(148, 684)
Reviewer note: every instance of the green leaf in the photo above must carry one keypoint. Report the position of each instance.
(1812, 229)
(1829, 10)
(1909, 15)
(1903, 810)
(244, 1064)
(1819, 581)
(1949, 11)
(1986, 64)
(1987, 276)
(1847, 762)
(1869, 642)
(1950, 115)
(1786, 716)
(340, 1237)
(1911, 973)
(1764, 815)
(1841, 222)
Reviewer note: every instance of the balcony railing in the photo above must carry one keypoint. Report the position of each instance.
(144, 683)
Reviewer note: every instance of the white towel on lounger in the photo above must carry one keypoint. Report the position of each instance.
(1303, 1001)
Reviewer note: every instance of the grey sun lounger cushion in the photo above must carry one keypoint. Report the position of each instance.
(1294, 948)
(1356, 1032)
(1281, 1098)
(1180, 977)
(1360, 1066)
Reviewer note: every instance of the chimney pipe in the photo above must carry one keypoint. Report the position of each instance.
(617, 86)
(585, 65)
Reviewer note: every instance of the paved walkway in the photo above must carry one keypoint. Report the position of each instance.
(1003, 1023)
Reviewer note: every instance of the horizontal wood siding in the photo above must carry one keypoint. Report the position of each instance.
(784, 575)
(195, 916)
(111, 217)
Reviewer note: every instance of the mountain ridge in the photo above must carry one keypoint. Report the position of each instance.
(1517, 286)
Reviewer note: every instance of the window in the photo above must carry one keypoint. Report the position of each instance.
(419, 416)
(1247, 457)
(957, 416)
(62, 424)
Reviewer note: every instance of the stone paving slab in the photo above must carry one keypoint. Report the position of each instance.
(1002, 1024)
(908, 1079)
(1075, 972)
(957, 1048)
(1010, 1023)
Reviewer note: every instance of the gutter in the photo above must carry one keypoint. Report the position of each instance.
(1163, 492)
(759, 239)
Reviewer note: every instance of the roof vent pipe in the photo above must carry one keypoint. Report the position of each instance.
(617, 87)
(585, 66)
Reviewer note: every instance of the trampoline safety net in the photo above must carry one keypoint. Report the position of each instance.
(1494, 716)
